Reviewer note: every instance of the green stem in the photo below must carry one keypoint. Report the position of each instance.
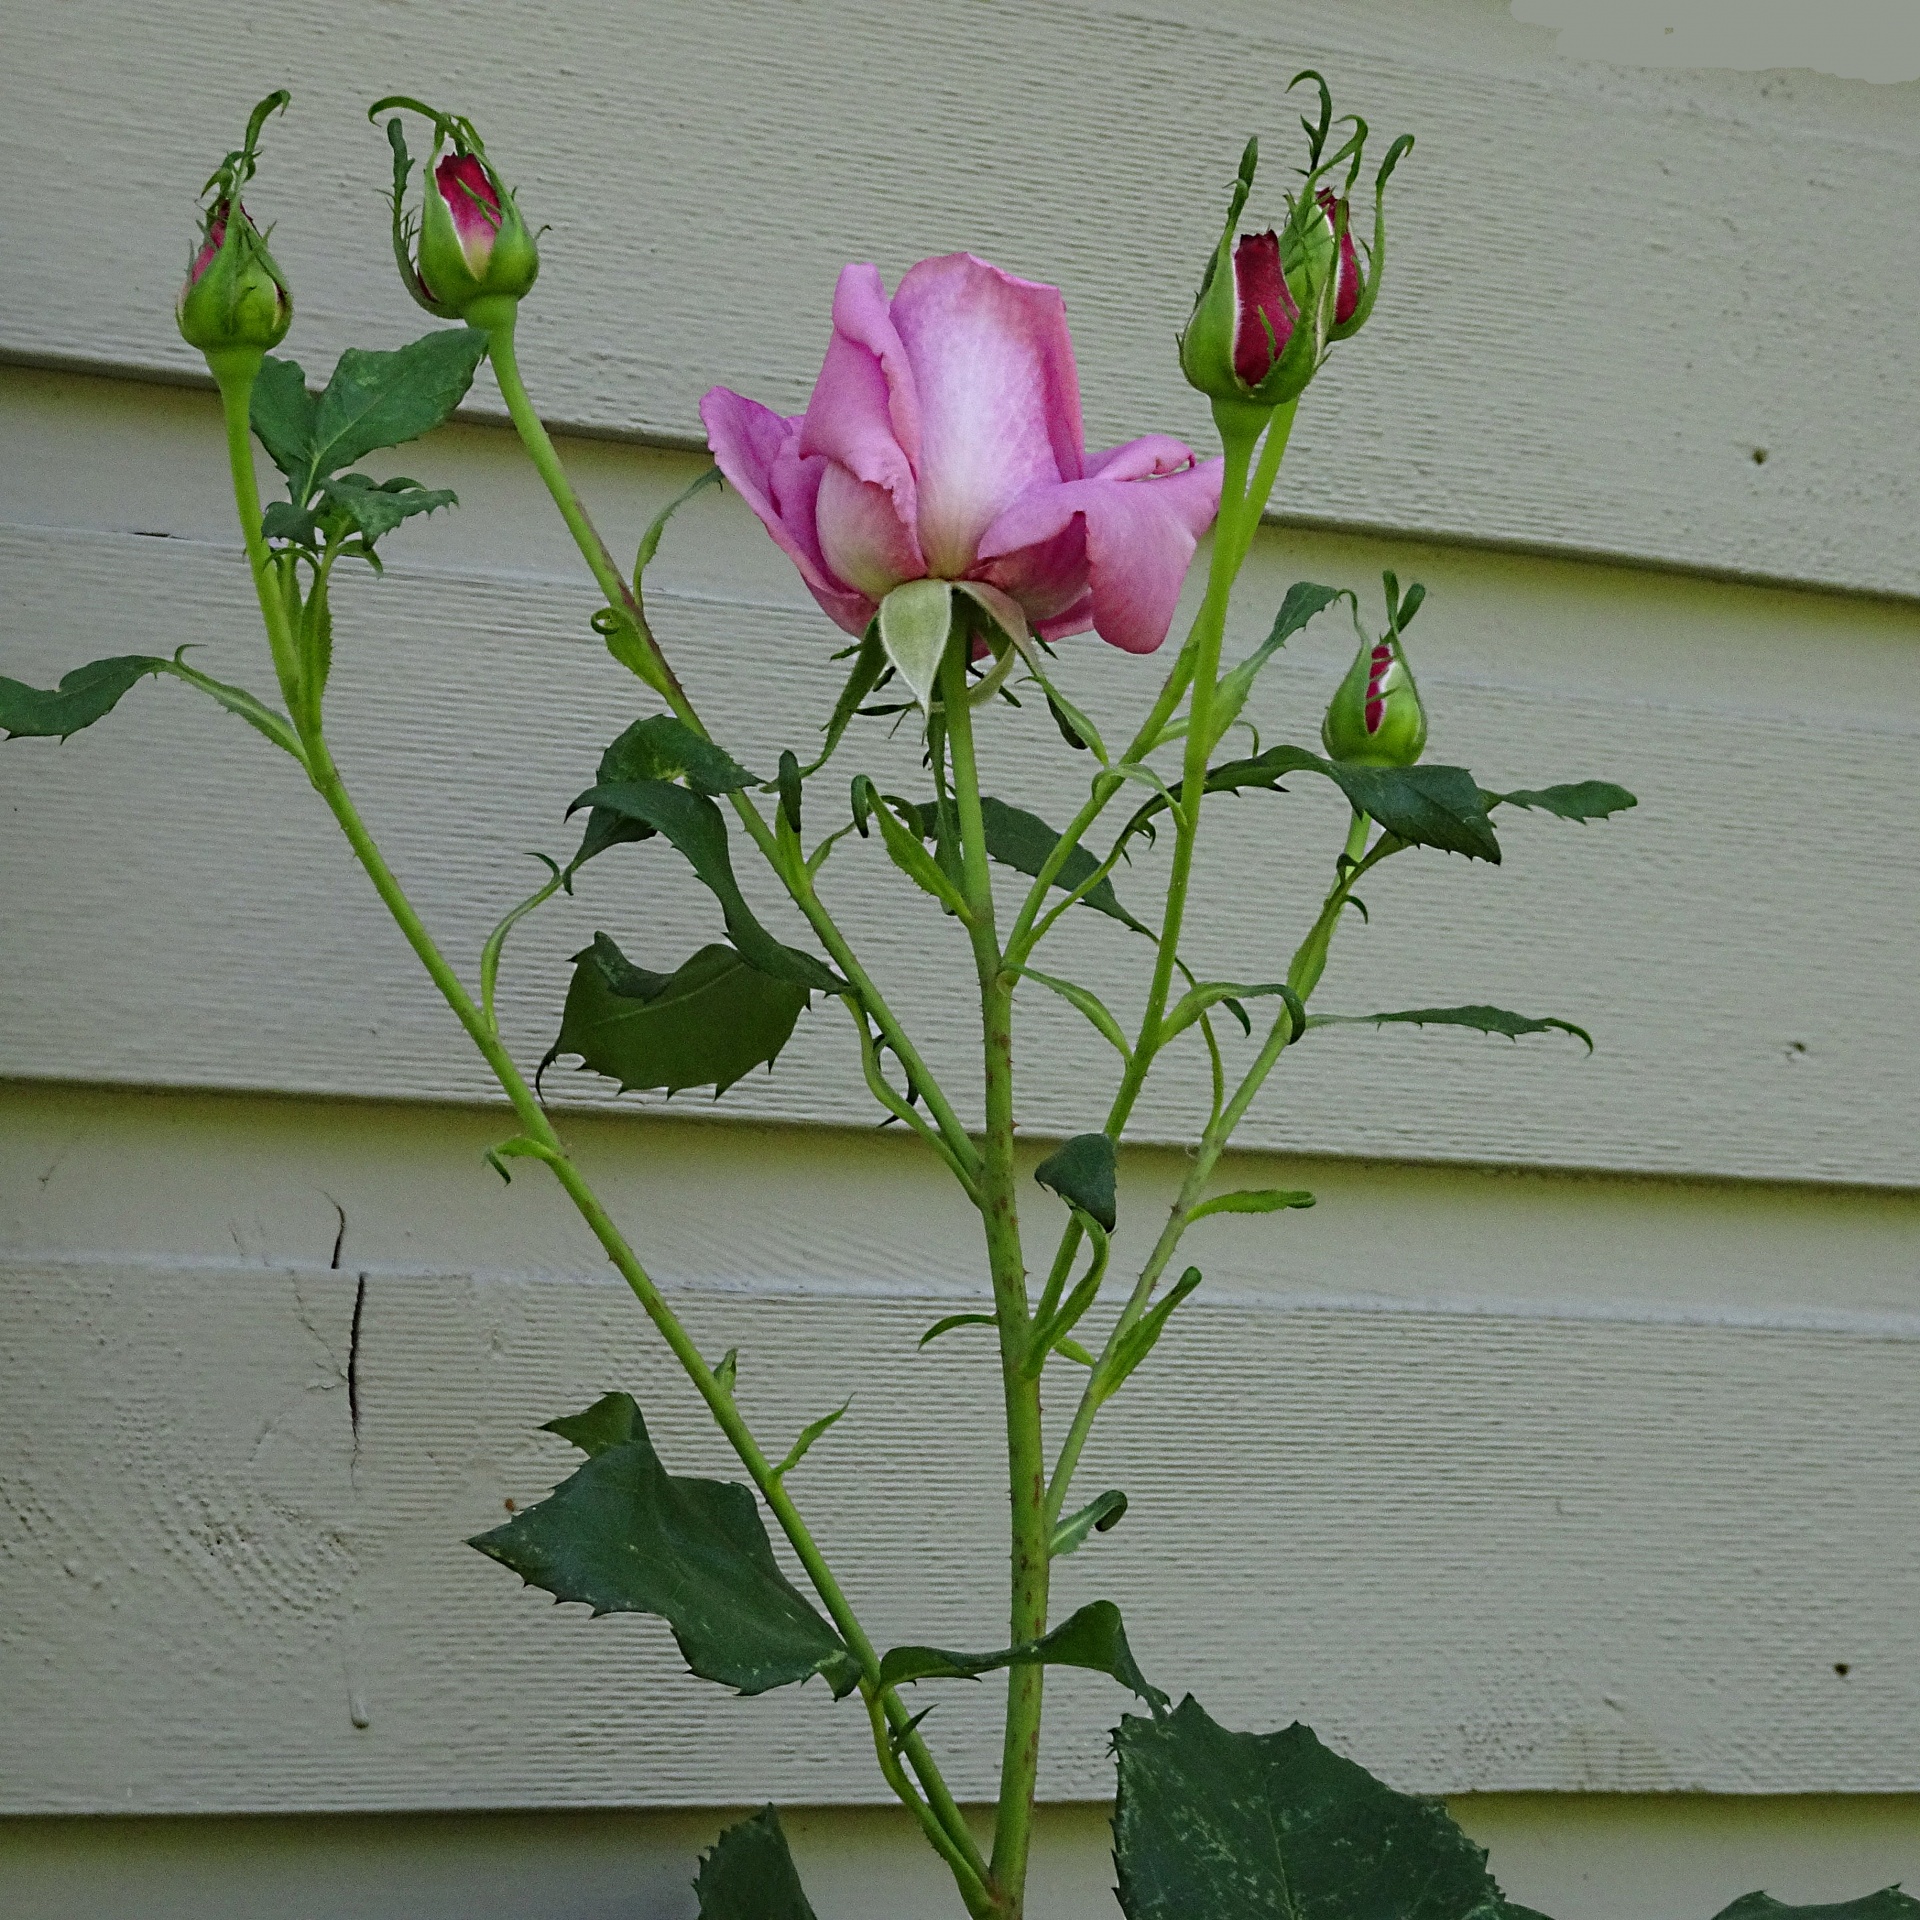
(235, 377)
(1303, 975)
(650, 663)
(532, 1117)
(1030, 1534)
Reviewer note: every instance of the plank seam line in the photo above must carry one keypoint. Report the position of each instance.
(1860, 1324)
(669, 440)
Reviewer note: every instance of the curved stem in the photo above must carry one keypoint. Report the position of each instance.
(646, 659)
(533, 1119)
(1030, 1534)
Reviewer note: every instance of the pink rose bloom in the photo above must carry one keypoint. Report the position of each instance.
(943, 440)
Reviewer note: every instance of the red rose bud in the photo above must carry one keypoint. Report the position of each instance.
(474, 256)
(1270, 304)
(235, 299)
(1376, 718)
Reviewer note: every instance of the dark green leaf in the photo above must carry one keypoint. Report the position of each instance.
(1251, 1200)
(1100, 1515)
(789, 782)
(656, 748)
(705, 1025)
(1582, 800)
(1426, 806)
(83, 696)
(91, 692)
(749, 1875)
(284, 521)
(1888, 1904)
(624, 1535)
(1242, 1826)
(1082, 1173)
(1304, 600)
(373, 400)
(698, 832)
(1093, 1638)
(1022, 841)
(371, 508)
(282, 413)
(1480, 1019)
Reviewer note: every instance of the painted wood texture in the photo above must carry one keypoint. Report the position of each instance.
(1504, 1481)
(1478, 1550)
(1660, 314)
(468, 713)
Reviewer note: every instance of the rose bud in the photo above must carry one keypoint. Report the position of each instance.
(1271, 303)
(234, 296)
(475, 256)
(1376, 718)
(235, 299)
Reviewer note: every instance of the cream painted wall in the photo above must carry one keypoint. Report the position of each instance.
(1560, 1460)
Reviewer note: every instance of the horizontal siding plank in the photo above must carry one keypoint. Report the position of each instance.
(228, 942)
(1647, 313)
(1478, 1550)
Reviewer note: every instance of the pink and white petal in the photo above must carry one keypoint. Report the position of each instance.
(1140, 540)
(1078, 618)
(999, 397)
(864, 412)
(862, 537)
(1046, 577)
(1153, 453)
(757, 450)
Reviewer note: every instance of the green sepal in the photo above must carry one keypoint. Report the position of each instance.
(657, 526)
(1093, 1638)
(1242, 1826)
(623, 1535)
(808, 1435)
(749, 1874)
(1082, 1171)
(708, 1023)
(901, 834)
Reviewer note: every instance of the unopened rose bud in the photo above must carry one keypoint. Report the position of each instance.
(235, 300)
(1376, 719)
(1271, 303)
(474, 256)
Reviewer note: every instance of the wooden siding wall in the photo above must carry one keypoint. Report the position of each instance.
(1568, 1445)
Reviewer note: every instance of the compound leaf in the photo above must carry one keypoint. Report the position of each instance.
(1093, 1638)
(1243, 1826)
(708, 1023)
(749, 1875)
(623, 1535)
(370, 508)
